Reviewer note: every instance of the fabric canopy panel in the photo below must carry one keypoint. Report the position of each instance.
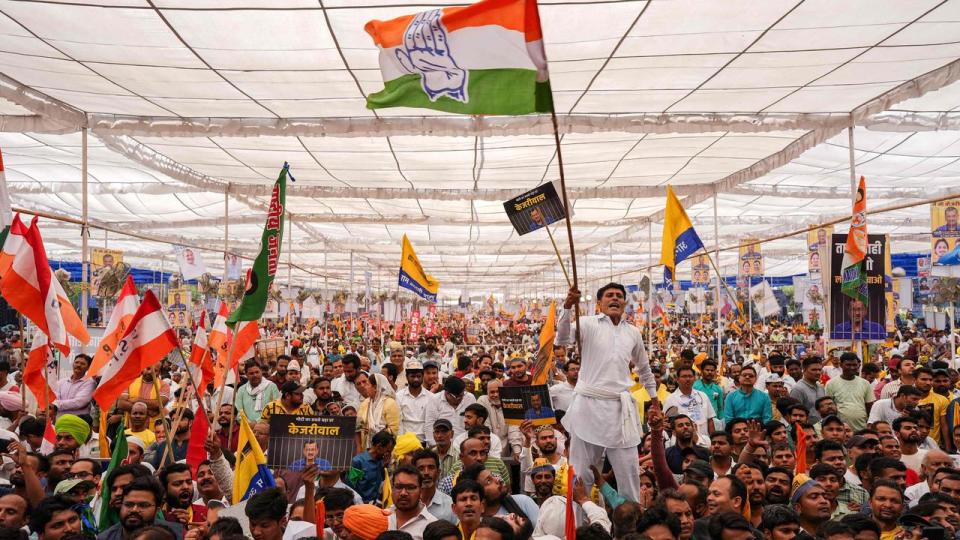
(190, 103)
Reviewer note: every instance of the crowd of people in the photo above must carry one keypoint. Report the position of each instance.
(764, 440)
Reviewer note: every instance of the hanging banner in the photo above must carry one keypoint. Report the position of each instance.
(535, 209)
(890, 292)
(234, 266)
(102, 262)
(923, 279)
(191, 264)
(851, 319)
(696, 301)
(751, 259)
(701, 271)
(815, 240)
(945, 238)
(178, 305)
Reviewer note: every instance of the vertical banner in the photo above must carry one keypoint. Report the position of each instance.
(889, 290)
(815, 240)
(178, 304)
(923, 279)
(850, 319)
(701, 271)
(945, 238)
(102, 262)
(234, 266)
(751, 258)
(190, 262)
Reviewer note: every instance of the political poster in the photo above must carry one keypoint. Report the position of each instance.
(701, 271)
(923, 279)
(234, 266)
(521, 403)
(751, 258)
(890, 291)
(945, 238)
(178, 305)
(850, 319)
(102, 262)
(535, 209)
(816, 239)
(191, 264)
(296, 441)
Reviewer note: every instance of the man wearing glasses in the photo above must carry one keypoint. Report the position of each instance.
(693, 403)
(138, 509)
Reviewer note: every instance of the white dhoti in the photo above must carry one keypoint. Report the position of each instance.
(600, 421)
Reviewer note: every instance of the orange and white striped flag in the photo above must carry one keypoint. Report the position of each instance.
(200, 355)
(244, 339)
(127, 304)
(148, 339)
(40, 369)
(218, 332)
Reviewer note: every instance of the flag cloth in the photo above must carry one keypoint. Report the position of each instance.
(801, 461)
(218, 332)
(49, 442)
(680, 240)
(412, 275)
(321, 517)
(148, 339)
(541, 370)
(244, 339)
(123, 311)
(41, 368)
(251, 474)
(31, 288)
(196, 451)
(200, 355)
(854, 266)
(108, 517)
(485, 58)
(13, 237)
(570, 519)
(260, 276)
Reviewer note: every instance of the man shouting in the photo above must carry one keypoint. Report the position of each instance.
(611, 348)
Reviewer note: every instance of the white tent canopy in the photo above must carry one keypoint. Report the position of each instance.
(192, 103)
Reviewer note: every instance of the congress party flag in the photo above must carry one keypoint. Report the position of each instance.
(260, 277)
(412, 276)
(853, 267)
(127, 304)
(484, 58)
(680, 240)
(252, 474)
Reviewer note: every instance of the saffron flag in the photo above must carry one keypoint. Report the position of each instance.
(260, 276)
(31, 288)
(570, 519)
(200, 355)
(485, 58)
(680, 240)
(41, 368)
(412, 275)
(118, 455)
(801, 461)
(196, 451)
(541, 370)
(15, 236)
(148, 339)
(49, 443)
(123, 311)
(854, 266)
(252, 474)
(244, 339)
(218, 332)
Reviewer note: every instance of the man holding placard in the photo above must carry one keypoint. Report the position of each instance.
(611, 349)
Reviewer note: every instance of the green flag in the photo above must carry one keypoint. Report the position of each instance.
(260, 277)
(108, 517)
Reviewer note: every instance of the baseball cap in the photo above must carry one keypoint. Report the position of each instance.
(413, 365)
(442, 423)
(66, 486)
(431, 364)
(913, 519)
(859, 440)
(291, 387)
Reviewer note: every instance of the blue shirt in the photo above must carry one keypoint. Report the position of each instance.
(756, 404)
(369, 483)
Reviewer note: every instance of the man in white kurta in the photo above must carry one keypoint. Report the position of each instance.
(603, 416)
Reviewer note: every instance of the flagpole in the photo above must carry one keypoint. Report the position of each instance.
(853, 196)
(559, 257)
(650, 288)
(226, 233)
(84, 234)
(716, 253)
(163, 417)
(289, 277)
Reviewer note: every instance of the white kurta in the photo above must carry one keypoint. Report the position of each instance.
(608, 351)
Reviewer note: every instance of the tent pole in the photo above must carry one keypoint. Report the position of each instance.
(853, 198)
(289, 277)
(650, 290)
(716, 256)
(84, 234)
(226, 233)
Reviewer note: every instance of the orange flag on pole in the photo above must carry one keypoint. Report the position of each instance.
(127, 304)
(801, 449)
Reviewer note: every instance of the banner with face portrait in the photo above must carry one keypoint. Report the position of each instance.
(234, 266)
(751, 259)
(191, 265)
(851, 319)
(889, 288)
(815, 240)
(701, 271)
(945, 238)
(178, 307)
(923, 279)
(102, 262)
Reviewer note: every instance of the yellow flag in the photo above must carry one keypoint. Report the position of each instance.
(545, 354)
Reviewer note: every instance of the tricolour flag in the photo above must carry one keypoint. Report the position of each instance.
(31, 288)
(680, 240)
(413, 277)
(123, 311)
(541, 370)
(148, 339)
(854, 266)
(41, 368)
(260, 276)
(251, 474)
(485, 58)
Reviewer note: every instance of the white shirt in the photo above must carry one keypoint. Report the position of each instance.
(413, 410)
(696, 405)
(884, 410)
(562, 395)
(348, 390)
(413, 527)
(916, 491)
(607, 352)
(438, 408)
(496, 447)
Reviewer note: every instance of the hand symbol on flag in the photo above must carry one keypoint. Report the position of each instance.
(426, 52)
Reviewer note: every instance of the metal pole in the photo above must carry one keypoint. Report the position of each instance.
(226, 233)
(853, 198)
(650, 288)
(84, 234)
(716, 256)
(289, 278)
(610, 246)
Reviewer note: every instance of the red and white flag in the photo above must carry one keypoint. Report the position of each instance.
(127, 304)
(244, 339)
(218, 332)
(41, 368)
(31, 288)
(49, 439)
(15, 237)
(148, 339)
(200, 355)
